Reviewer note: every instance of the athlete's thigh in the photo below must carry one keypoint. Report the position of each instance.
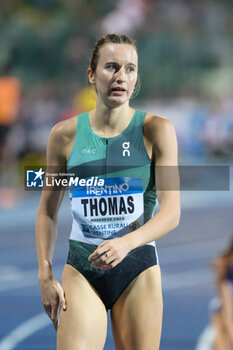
(83, 325)
(137, 314)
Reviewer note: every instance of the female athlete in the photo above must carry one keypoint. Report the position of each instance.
(117, 153)
(222, 316)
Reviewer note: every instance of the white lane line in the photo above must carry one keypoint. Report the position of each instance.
(25, 330)
(206, 339)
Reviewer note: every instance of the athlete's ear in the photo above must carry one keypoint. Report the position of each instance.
(91, 75)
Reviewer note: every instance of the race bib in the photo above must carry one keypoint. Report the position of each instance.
(110, 210)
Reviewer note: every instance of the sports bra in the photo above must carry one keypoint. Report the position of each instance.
(115, 193)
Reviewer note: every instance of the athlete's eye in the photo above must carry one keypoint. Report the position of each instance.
(112, 67)
(130, 69)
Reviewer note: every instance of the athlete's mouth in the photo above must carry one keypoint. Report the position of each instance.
(118, 88)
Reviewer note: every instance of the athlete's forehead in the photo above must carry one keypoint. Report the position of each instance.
(120, 53)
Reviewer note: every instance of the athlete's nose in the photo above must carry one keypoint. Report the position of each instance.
(120, 75)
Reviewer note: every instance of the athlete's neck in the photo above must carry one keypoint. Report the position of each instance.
(108, 122)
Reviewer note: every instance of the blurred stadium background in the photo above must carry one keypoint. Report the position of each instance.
(186, 70)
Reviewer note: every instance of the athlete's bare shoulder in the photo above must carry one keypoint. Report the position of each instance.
(62, 136)
(65, 130)
(156, 128)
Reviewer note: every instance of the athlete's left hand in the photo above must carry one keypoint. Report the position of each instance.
(109, 253)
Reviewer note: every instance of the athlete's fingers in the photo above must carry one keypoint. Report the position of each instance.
(47, 308)
(114, 263)
(111, 265)
(54, 315)
(98, 263)
(109, 258)
(105, 262)
(101, 249)
(101, 260)
(61, 296)
(93, 256)
(111, 248)
(115, 246)
(103, 244)
(97, 254)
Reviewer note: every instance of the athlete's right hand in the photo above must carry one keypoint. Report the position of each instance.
(52, 296)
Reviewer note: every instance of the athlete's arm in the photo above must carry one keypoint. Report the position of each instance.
(165, 150)
(46, 226)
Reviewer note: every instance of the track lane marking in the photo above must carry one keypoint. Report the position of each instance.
(24, 331)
